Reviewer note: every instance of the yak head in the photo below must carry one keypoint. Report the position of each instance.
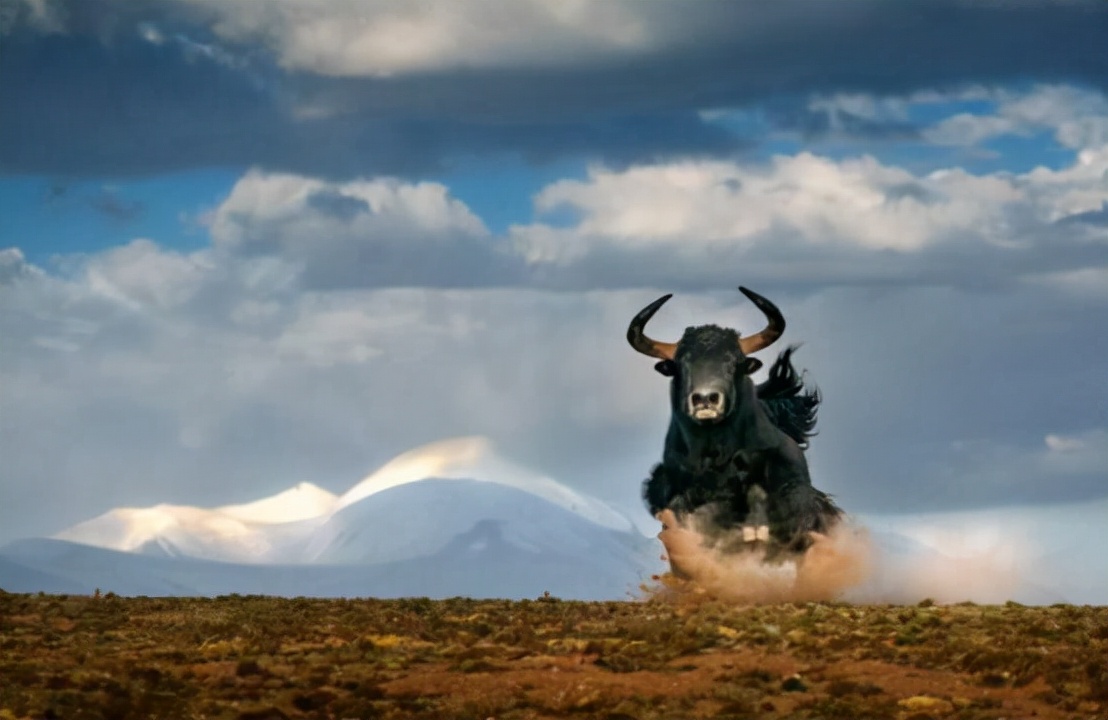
(710, 365)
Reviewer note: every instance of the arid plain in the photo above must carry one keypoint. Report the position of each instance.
(674, 654)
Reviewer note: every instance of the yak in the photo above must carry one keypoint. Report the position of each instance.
(734, 451)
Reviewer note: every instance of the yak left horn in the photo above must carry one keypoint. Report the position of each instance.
(644, 344)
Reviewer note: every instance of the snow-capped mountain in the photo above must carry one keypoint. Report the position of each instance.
(266, 530)
(302, 524)
(494, 554)
(451, 518)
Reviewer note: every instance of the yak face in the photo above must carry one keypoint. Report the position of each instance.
(710, 365)
(708, 371)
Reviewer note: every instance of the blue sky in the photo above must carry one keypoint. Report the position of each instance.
(67, 217)
(246, 245)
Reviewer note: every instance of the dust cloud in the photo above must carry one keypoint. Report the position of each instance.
(835, 562)
(952, 571)
(845, 565)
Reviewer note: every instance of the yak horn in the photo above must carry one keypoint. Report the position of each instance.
(641, 342)
(771, 332)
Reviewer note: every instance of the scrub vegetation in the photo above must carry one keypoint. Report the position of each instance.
(673, 655)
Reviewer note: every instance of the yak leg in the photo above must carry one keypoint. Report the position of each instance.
(800, 513)
(796, 509)
(755, 529)
(668, 488)
(656, 492)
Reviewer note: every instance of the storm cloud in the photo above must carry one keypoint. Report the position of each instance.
(103, 87)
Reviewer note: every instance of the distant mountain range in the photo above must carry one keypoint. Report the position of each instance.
(453, 518)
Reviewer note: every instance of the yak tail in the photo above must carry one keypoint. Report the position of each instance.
(789, 404)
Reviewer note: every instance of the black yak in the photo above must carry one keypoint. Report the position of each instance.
(735, 450)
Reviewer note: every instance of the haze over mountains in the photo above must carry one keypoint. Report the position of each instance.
(453, 518)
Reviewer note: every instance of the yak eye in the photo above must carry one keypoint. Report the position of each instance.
(667, 368)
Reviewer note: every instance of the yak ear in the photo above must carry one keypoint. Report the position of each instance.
(667, 368)
(751, 365)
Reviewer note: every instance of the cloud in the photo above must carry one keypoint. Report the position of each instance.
(1090, 217)
(395, 38)
(839, 122)
(807, 218)
(1075, 462)
(321, 93)
(147, 375)
(41, 15)
(389, 38)
(1069, 444)
(361, 233)
(861, 106)
(13, 265)
(141, 275)
(1076, 116)
(103, 108)
(943, 377)
(856, 201)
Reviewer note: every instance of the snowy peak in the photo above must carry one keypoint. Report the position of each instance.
(128, 529)
(473, 458)
(249, 532)
(301, 502)
(466, 457)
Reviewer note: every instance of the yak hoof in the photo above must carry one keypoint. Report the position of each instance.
(755, 533)
(756, 528)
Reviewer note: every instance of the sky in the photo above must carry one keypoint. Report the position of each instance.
(245, 245)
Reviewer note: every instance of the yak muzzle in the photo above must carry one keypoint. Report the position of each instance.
(707, 403)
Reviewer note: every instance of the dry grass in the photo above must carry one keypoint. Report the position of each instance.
(260, 658)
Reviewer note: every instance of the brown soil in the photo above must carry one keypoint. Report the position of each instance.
(676, 655)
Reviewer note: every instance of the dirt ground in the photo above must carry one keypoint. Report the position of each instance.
(675, 655)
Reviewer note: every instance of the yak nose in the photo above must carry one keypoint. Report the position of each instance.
(707, 402)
